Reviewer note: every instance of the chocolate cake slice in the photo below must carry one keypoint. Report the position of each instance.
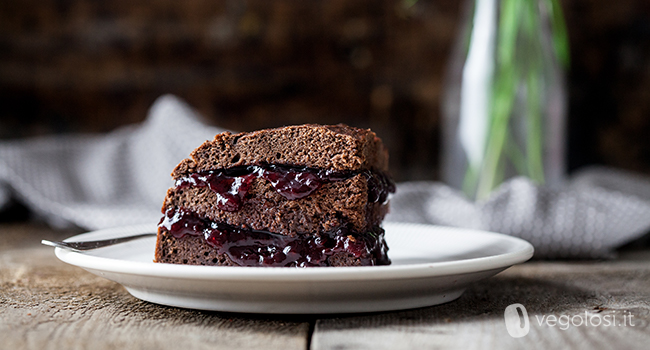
(306, 195)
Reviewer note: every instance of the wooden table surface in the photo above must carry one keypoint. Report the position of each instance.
(47, 304)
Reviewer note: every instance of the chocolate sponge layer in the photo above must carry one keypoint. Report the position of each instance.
(194, 250)
(332, 205)
(336, 147)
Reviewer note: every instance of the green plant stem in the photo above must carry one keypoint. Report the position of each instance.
(518, 86)
(503, 94)
(534, 149)
(533, 115)
(515, 155)
(470, 180)
(503, 98)
(559, 33)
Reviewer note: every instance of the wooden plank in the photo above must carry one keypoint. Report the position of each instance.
(476, 320)
(46, 304)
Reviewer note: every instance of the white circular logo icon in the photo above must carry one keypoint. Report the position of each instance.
(517, 322)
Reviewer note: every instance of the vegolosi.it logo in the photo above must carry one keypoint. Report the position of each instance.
(517, 322)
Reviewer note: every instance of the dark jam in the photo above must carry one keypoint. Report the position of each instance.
(261, 248)
(232, 185)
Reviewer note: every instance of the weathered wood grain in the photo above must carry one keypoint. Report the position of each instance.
(46, 304)
(476, 320)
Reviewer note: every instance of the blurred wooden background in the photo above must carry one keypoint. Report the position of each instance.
(91, 66)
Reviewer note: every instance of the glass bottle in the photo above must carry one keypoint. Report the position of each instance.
(505, 98)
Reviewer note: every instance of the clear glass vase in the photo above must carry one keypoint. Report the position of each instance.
(505, 102)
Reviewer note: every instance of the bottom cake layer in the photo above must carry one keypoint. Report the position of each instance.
(185, 238)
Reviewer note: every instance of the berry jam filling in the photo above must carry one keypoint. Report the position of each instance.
(248, 247)
(231, 185)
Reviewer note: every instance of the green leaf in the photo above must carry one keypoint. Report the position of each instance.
(508, 29)
(559, 33)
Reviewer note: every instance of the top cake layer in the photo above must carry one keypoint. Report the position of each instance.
(337, 147)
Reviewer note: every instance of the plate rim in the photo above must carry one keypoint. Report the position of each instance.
(523, 253)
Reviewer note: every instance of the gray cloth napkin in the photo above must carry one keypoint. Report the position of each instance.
(596, 211)
(99, 181)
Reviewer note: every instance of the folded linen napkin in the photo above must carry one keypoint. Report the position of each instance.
(120, 178)
(596, 211)
(98, 181)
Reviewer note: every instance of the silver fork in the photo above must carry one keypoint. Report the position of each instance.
(89, 245)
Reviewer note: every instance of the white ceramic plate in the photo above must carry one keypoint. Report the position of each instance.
(431, 265)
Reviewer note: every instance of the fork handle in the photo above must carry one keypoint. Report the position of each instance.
(89, 245)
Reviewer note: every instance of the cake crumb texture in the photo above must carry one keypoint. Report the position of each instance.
(336, 147)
